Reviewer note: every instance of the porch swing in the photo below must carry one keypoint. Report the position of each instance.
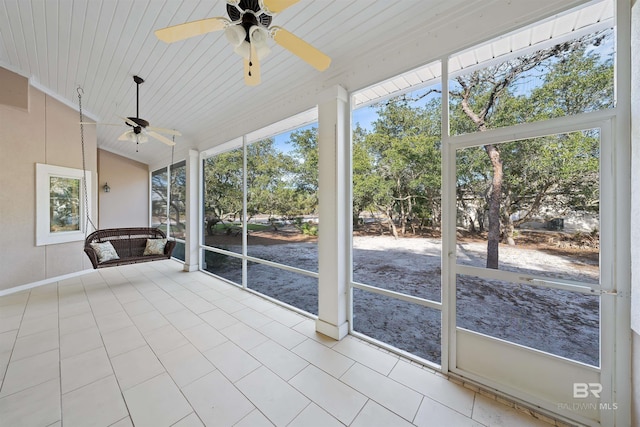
(112, 247)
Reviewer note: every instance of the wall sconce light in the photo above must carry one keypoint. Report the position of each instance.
(106, 188)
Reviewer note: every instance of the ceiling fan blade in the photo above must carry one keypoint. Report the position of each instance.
(191, 29)
(301, 48)
(124, 136)
(252, 72)
(129, 122)
(277, 6)
(163, 130)
(101, 124)
(160, 137)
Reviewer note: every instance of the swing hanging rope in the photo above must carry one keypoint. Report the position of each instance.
(84, 167)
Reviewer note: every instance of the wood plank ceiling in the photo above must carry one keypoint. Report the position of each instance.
(196, 86)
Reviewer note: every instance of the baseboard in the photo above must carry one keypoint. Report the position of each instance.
(43, 282)
(333, 331)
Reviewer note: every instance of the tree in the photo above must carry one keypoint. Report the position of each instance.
(304, 155)
(272, 185)
(480, 100)
(178, 189)
(365, 182)
(396, 166)
(222, 187)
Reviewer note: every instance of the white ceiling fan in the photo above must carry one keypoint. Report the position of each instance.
(247, 29)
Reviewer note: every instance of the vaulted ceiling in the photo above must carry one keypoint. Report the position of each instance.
(196, 86)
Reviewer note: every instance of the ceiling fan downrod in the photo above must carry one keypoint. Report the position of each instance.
(138, 81)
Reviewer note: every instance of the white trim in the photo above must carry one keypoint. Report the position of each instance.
(575, 34)
(245, 201)
(43, 282)
(62, 100)
(44, 236)
(621, 357)
(291, 123)
(222, 148)
(193, 203)
(399, 296)
(397, 351)
(337, 332)
(539, 129)
(506, 375)
(447, 229)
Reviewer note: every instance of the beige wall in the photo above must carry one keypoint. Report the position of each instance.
(46, 132)
(15, 90)
(127, 204)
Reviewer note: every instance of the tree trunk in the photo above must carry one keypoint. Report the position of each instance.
(355, 220)
(493, 232)
(493, 236)
(480, 218)
(508, 231)
(392, 225)
(403, 219)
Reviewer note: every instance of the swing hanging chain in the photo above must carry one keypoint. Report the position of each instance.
(173, 147)
(84, 168)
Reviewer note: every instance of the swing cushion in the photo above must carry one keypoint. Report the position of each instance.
(154, 247)
(105, 251)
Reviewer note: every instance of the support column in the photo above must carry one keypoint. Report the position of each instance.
(333, 194)
(191, 237)
(635, 212)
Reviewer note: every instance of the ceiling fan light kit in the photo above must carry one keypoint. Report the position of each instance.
(132, 136)
(235, 35)
(247, 30)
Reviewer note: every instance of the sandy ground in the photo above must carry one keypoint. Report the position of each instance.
(560, 322)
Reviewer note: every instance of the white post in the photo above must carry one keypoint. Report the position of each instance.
(333, 193)
(191, 243)
(635, 210)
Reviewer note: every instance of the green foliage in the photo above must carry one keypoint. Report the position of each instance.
(396, 166)
(281, 183)
(307, 228)
(558, 172)
(223, 186)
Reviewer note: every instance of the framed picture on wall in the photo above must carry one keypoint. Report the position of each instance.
(60, 204)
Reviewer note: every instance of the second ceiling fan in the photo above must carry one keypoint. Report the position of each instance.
(247, 29)
(140, 129)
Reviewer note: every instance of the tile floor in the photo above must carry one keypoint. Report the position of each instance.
(150, 345)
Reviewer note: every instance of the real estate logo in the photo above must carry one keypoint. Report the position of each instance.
(585, 391)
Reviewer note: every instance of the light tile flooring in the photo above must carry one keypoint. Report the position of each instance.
(150, 345)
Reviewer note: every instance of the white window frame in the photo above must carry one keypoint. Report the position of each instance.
(44, 173)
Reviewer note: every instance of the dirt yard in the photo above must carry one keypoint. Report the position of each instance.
(559, 322)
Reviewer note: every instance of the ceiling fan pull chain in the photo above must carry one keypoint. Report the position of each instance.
(250, 63)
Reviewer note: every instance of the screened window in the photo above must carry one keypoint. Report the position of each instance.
(564, 79)
(280, 257)
(282, 199)
(397, 218)
(222, 201)
(159, 195)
